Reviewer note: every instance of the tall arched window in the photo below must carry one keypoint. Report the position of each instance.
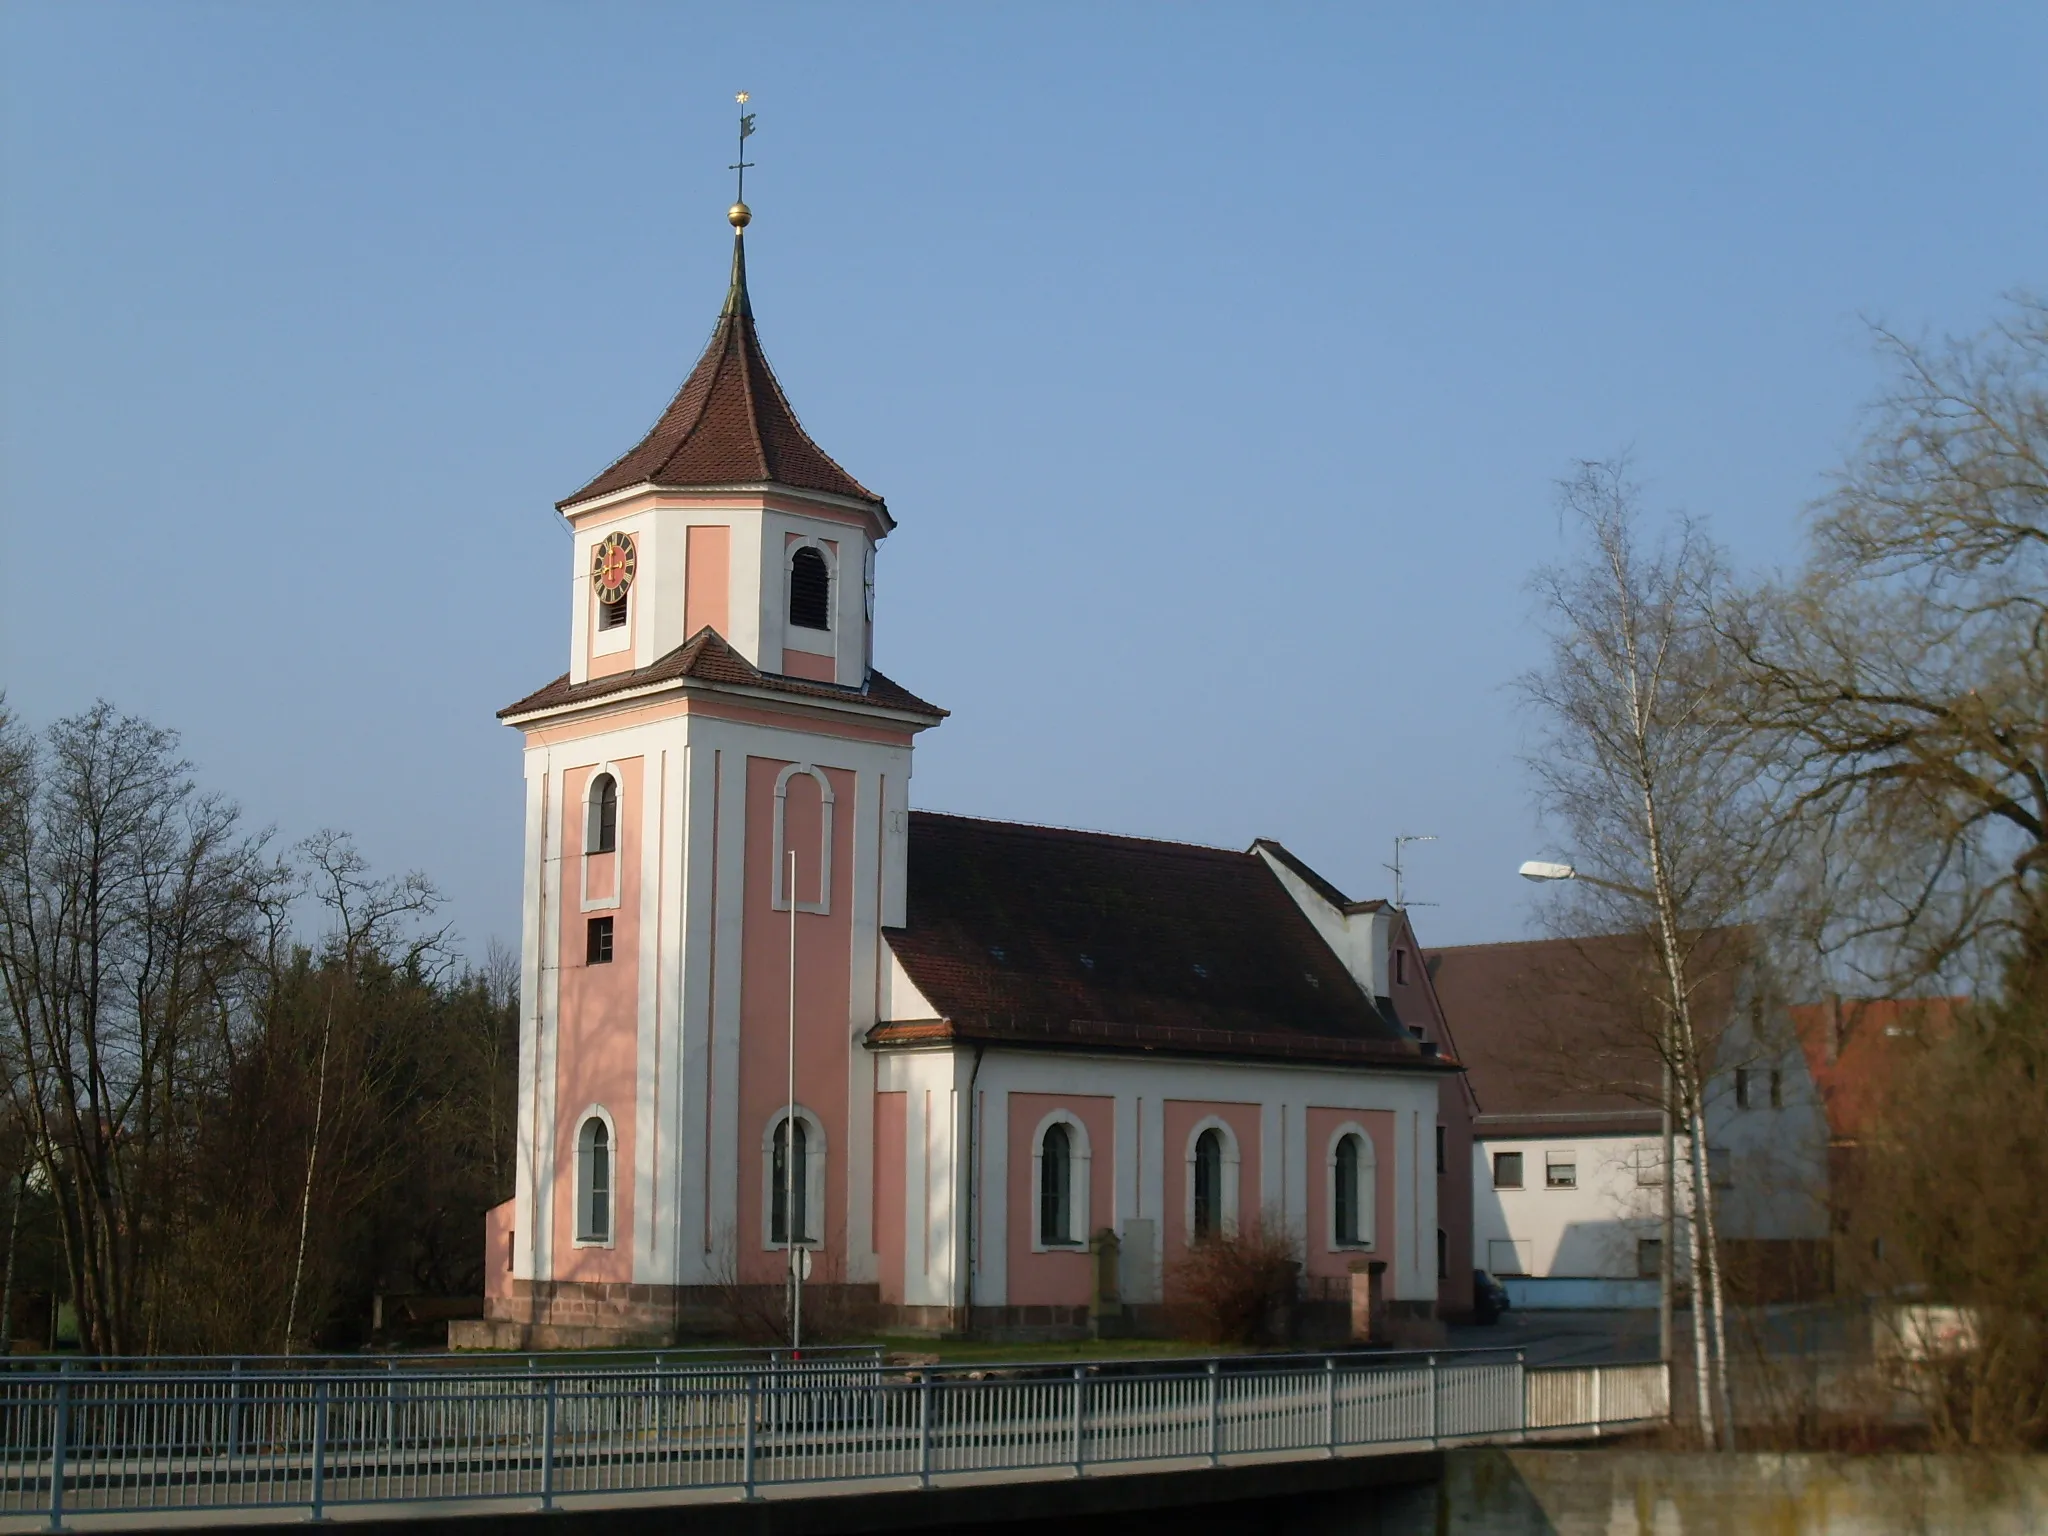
(1347, 1190)
(594, 1182)
(1056, 1187)
(791, 1177)
(1208, 1184)
(603, 832)
(1354, 1188)
(810, 590)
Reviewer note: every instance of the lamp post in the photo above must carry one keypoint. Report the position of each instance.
(1538, 870)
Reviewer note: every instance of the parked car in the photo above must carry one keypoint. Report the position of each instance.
(1489, 1298)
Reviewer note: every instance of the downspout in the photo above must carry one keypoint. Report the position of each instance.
(973, 1120)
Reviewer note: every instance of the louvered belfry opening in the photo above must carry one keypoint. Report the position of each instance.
(612, 615)
(810, 591)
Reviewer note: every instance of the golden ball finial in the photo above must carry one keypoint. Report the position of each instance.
(739, 215)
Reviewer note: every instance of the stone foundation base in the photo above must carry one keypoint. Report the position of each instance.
(575, 1314)
(568, 1314)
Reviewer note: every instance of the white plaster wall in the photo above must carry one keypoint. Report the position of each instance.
(1139, 1088)
(1590, 1231)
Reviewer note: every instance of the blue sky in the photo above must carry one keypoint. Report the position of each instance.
(1216, 361)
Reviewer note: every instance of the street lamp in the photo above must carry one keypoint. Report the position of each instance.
(1540, 870)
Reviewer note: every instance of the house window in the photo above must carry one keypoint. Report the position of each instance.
(602, 834)
(790, 1178)
(1649, 1258)
(810, 590)
(1401, 966)
(1777, 1089)
(1056, 1187)
(597, 942)
(1439, 1150)
(594, 1182)
(1649, 1163)
(1742, 1087)
(1720, 1167)
(1507, 1170)
(1443, 1254)
(1507, 1256)
(1208, 1184)
(1561, 1170)
(612, 615)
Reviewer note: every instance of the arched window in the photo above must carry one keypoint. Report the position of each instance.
(602, 835)
(1347, 1190)
(791, 1175)
(810, 590)
(793, 1208)
(1056, 1187)
(1354, 1191)
(1208, 1184)
(594, 1182)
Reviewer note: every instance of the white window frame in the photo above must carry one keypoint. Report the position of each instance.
(1367, 1213)
(1520, 1249)
(814, 1179)
(1560, 1157)
(779, 897)
(602, 903)
(828, 637)
(1493, 1156)
(1230, 1174)
(1077, 1172)
(585, 1236)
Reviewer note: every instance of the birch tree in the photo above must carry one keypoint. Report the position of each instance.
(1657, 800)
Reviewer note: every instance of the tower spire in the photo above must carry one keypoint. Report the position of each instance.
(739, 215)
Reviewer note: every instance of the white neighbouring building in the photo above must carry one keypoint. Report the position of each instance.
(1567, 1168)
(1007, 1039)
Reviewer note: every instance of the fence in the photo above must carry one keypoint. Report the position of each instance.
(123, 1440)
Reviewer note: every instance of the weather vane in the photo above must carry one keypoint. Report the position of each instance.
(739, 206)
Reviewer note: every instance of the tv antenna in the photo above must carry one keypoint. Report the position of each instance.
(1400, 894)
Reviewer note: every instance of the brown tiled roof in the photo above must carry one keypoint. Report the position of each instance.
(1561, 1026)
(706, 658)
(730, 423)
(1853, 1045)
(1047, 937)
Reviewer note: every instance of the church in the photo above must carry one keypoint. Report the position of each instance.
(972, 1076)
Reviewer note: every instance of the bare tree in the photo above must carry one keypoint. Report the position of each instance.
(128, 930)
(1661, 804)
(370, 917)
(1906, 671)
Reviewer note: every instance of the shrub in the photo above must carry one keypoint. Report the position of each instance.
(1237, 1287)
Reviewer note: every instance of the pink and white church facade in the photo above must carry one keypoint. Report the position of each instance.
(1007, 1039)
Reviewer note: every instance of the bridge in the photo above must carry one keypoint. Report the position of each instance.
(102, 1443)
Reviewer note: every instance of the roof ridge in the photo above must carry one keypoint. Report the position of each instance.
(1089, 832)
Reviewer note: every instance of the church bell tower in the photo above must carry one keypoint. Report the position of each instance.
(716, 829)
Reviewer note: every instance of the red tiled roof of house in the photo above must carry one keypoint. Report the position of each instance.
(730, 423)
(706, 658)
(1851, 1045)
(1041, 936)
(1562, 1027)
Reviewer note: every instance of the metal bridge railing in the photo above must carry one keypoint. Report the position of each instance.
(122, 1440)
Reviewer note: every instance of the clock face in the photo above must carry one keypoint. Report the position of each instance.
(611, 567)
